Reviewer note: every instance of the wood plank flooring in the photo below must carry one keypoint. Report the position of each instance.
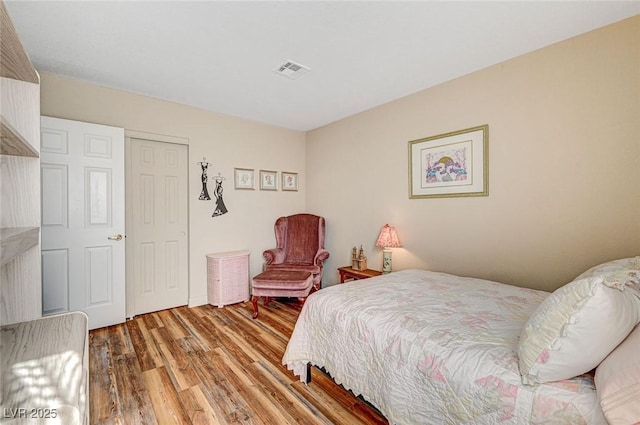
(208, 365)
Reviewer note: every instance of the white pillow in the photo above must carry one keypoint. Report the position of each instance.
(618, 382)
(611, 267)
(576, 327)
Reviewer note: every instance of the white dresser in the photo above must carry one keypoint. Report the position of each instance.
(228, 277)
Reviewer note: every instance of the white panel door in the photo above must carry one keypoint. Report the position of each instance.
(157, 185)
(83, 254)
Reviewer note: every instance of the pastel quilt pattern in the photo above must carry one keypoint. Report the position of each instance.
(433, 348)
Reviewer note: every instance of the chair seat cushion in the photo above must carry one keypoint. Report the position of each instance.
(283, 280)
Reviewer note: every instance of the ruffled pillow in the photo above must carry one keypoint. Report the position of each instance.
(577, 326)
(612, 266)
(622, 279)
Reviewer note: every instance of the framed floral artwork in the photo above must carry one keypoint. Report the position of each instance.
(268, 180)
(243, 178)
(289, 181)
(450, 165)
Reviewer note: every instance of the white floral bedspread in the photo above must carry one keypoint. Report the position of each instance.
(433, 348)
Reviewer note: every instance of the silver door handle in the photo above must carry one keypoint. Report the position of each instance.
(117, 237)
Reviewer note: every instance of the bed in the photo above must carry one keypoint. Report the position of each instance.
(433, 348)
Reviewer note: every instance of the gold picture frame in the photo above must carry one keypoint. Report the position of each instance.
(450, 165)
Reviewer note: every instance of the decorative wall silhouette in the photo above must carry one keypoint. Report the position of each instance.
(220, 207)
(204, 194)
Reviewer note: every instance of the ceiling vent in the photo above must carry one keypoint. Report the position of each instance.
(291, 69)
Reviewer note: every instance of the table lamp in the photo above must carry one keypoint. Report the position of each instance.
(387, 239)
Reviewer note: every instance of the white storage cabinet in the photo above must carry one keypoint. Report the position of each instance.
(228, 277)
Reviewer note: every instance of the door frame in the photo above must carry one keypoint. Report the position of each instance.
(128, 220)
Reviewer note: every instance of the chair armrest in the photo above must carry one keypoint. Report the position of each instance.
(321, 255)
(274, 256)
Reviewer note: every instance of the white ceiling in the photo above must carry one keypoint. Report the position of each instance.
(220, 55)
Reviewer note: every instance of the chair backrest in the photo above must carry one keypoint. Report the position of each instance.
(300, 236)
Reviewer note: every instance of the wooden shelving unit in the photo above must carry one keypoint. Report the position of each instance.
(20, 260)
(24, 339)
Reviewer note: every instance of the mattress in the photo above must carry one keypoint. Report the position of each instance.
(434, 348)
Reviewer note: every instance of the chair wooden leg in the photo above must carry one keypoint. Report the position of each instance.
(254, 301)
(266, 301)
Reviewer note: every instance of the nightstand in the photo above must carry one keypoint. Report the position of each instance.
(348, 273)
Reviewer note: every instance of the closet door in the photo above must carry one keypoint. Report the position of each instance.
(158, 226)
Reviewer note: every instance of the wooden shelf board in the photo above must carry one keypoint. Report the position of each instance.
(12, 143)
(16, 240)
(15, 62)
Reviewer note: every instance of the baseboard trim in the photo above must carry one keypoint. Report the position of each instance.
(196, 301)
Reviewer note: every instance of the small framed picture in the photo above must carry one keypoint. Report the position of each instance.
(268, 180)
(243, 178)
(289, 181)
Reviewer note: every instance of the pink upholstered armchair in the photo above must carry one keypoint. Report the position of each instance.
(300, 246)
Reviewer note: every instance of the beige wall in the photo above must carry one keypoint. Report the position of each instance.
(564, 179)
(564, 149)
(225, 141)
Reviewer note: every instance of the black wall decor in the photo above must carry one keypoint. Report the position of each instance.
(204, 194)
(220, 207)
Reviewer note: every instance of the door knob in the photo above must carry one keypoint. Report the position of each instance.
(117, 237)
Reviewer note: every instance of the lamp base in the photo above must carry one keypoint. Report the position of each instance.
(386, 261)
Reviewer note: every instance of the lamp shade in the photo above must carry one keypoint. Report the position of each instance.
(388, 238)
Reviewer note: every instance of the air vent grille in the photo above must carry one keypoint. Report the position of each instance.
(291, 69)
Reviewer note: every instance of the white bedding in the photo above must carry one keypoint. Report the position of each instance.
(433, 348)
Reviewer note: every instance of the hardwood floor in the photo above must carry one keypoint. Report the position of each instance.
(208, 365)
